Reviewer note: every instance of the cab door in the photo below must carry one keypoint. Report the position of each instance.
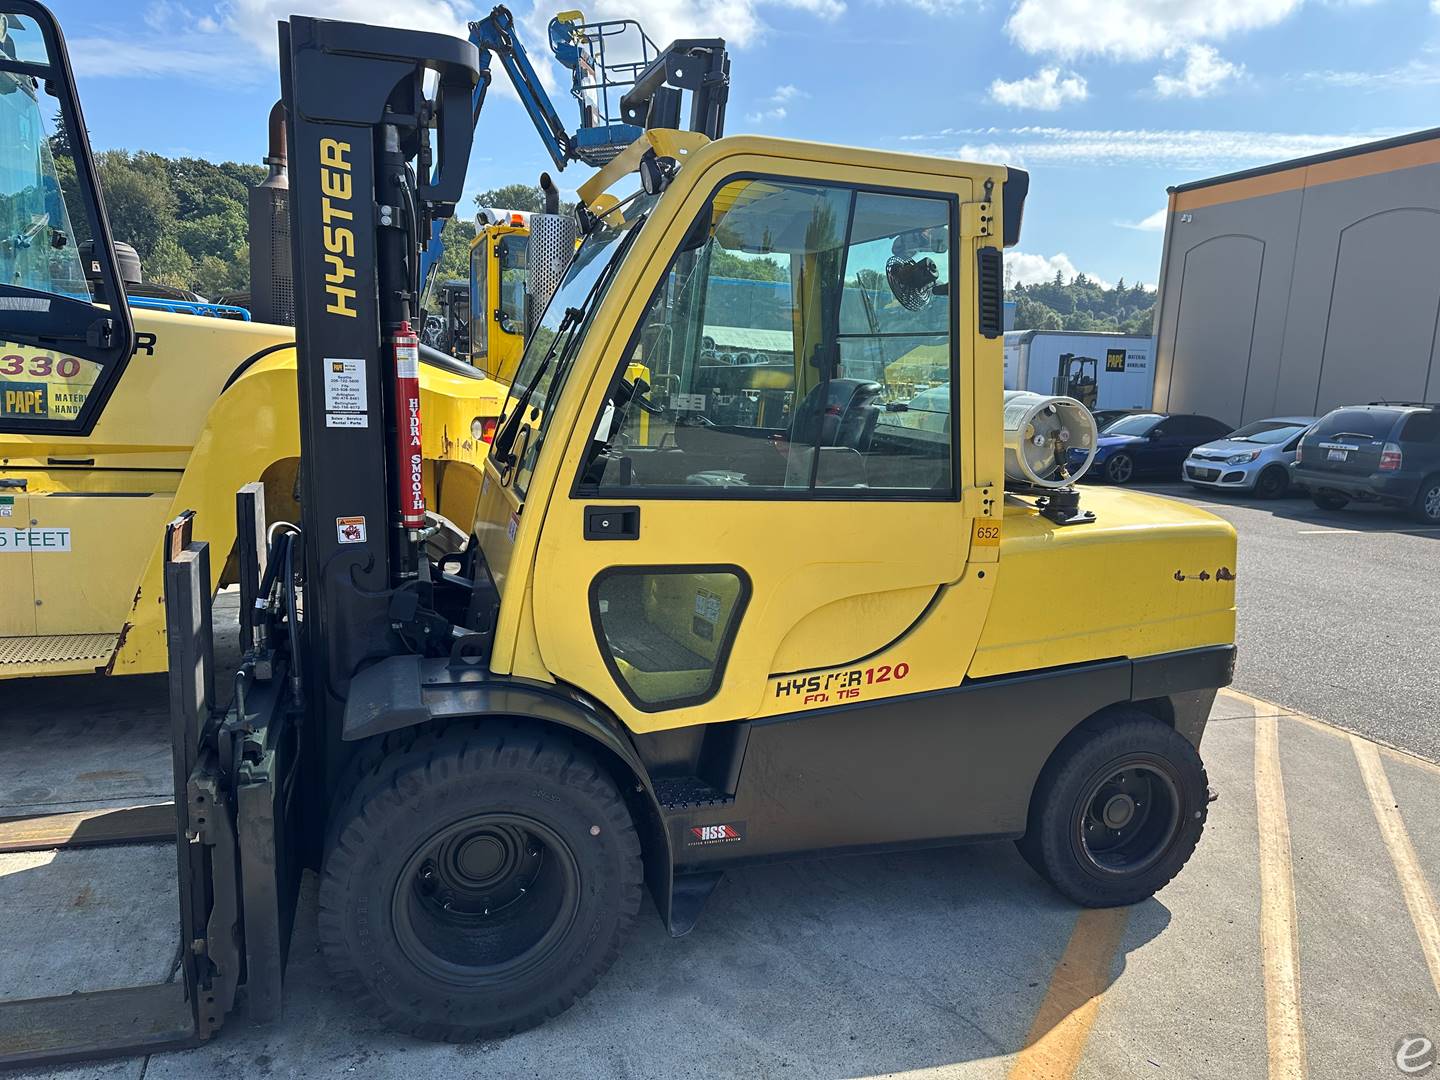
(67, 334)
(769, 482)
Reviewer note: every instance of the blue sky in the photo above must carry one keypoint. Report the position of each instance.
(1106, 102)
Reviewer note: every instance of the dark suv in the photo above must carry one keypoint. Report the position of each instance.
(1387, 452)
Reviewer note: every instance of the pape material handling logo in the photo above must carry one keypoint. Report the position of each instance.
(1416, 1055)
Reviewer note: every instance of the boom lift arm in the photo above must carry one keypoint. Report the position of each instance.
(618, 98)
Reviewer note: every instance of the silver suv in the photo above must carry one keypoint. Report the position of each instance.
(1254, 459)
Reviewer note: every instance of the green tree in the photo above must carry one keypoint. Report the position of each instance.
(138, 199)
(526, 197)
(752, 268)
(455, 240)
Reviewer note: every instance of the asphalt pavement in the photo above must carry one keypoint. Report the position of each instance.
(1302, 941)
(1338, 613)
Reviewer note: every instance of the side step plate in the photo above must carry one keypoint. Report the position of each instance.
(74, 1027)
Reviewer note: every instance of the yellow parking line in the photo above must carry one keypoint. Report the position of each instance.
(1418, 897)
(1062, 1024)
(1279, 939)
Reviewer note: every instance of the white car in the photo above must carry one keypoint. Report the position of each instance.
(1255, 458)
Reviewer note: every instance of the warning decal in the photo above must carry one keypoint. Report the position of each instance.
(34, 541)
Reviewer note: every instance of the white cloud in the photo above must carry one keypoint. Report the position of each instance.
(1136, 29)
(1205, 71)
(254, 20)
(1179, 149)
(1154, 223)
(179, 56)
(1025, 269)
(1047, 90)
(776, 103)
(739, 22)
(221, 40)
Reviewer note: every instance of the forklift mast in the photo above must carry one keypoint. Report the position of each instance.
(358, 116)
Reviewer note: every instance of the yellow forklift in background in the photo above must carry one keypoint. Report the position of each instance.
(685, 634)
(207, 403)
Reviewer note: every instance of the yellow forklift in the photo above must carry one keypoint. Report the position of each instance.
(684, 635)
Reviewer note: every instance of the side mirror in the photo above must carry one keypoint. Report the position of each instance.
(64, 311)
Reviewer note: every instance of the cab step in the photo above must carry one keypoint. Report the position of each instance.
(688, 792)
(56, 654)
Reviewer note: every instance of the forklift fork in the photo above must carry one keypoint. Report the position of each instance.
(236, 877)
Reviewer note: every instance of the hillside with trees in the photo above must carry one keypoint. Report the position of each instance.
(1083, 304)
(187, 219)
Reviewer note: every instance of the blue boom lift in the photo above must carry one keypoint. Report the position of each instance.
(621, 81)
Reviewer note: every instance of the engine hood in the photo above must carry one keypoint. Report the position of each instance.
(1150, 575)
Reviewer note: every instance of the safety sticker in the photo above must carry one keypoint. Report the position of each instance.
(346, 402)
(350, 530)
(707, 614)
(34, 541)
(7, 506)
(709, 835)
(987, 532)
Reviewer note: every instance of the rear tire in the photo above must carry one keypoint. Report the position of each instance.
(1272, 482)
(1120, 469)
(478, 882)
(1118, 810)
(1427, 502)
(1329, 500)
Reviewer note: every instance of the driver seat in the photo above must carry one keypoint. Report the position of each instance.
(838, 413)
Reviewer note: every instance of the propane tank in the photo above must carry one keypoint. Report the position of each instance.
(1040, 432)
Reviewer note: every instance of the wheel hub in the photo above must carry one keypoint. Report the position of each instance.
(485, 895)
(481, 858)
(1119, 811)
(1128, 817)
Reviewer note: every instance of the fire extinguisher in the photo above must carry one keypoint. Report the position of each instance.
(410, 458)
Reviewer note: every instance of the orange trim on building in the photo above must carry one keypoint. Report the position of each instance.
(1325, 172)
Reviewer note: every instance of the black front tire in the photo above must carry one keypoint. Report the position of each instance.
(1427, 502)
(1120, 469)
(1272, 482)
(1136, 772)
(478, 882)
(1329, 500)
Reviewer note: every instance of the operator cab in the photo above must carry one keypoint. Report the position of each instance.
(64, 348)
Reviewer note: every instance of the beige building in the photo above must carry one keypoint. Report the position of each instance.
(1297, 287)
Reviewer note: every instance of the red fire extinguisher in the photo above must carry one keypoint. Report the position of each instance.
(410, 459)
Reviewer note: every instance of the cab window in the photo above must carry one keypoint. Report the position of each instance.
(513, 256)
(800, 343)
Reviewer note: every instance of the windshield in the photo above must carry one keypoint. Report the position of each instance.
(1139, 424)
(551, 348)
(38, 246)
(1267, 431)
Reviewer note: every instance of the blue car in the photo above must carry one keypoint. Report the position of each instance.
(1149, 444)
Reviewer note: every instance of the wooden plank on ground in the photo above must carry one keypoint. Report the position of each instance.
(89, 828)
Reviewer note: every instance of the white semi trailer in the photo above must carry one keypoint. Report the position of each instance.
(1105, 371)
